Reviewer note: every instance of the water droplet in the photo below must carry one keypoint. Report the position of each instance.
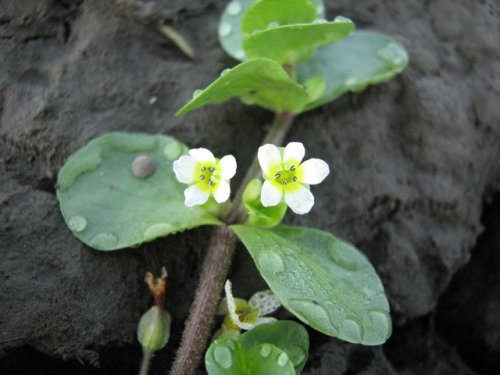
(265, 350)
(153, 100)
(225, 29)
(240, 54)
(313, 312)
(223, 357)
(272, 25)
(255, 31)
(320, 9)
(234, 8)
(104, 241)
(224, 72)
(350, 331)
(282, 359)
(197, 93)
(381, 323)
(77, 223)
(341, 19)
(173, 150)
(143, 166)
(270, 263)
(319, 20)
(393, 53)
(343, 255)
(158, 230)
(297, 354)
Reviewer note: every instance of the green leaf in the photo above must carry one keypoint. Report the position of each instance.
(230, 34)
(265, 13)
(326, 282)
(362, 59)
(257, 213)
(108, 208)
(257, 81)
(289, 336)
(227, 357)
(292, 43)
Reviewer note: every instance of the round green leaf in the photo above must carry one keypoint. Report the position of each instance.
(289, 336)
(257, 81)
(108, 208)
(257, 213)
(230, 34)
(225, 357)
(272, 13)
(326, 282)
(292, 43)
(361, 59)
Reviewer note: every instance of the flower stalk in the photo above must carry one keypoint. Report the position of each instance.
(216, 267)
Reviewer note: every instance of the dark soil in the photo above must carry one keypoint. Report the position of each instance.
(416, 166)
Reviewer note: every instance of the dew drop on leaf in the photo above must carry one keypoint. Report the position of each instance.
(265, 350)
(197, 93)
(271, 262)
(234, 8)
(225, 29)
(77, 223)
(223, 357)
(282, 359)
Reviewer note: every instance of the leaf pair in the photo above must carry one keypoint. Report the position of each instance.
(278, 348)
(273, 33)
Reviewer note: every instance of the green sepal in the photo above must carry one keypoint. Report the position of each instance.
(324, 281)
(289, 336)
(257, 213)
(361, 59)
(290, 44)
(108, 208)
(257, 81)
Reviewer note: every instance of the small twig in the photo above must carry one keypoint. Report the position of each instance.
(178, 40)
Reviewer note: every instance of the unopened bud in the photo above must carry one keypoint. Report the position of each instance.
(153, 331)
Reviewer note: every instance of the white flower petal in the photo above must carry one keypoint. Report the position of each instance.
(228, 167)
(268, 155)
(315, 171)
(194, 196)
(231, 306)
(202, 154)
(265, 320)
(300, 201)
(266, 301)
(270, 195)
(221, 194)
(294, 151)
(184, 169)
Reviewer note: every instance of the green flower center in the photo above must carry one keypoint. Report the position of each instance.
(208, 175)
(286, 176)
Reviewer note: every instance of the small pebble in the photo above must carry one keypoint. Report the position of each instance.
(143, 166)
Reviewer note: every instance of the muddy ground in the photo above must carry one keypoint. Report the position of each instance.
(415, 185)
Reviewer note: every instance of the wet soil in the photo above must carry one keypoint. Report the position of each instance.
(416, 166)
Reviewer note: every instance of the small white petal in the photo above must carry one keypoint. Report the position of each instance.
(184, 169)
(202, 154)
(294, 151)
(315, 171)
(265, 320)
(228, 167)
(221, 194)
(194, 196)
(268, 155)
(270, 195)
(300, 201)
(231, 306)
(266, 301)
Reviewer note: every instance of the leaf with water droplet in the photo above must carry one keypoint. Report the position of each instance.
(224, 357)
(289, 336)
(108, 208)
(260, 81)
(289, 44)
(325, 281)
(362, 59)
(257, 214)
(233, 14)
(275, 361)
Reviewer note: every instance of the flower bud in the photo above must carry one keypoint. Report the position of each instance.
(153, 331)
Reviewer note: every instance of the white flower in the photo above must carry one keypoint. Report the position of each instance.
(286, 177)
(242, 314)
(206, 176)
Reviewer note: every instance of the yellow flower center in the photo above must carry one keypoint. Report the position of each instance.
(208, 175)
(286, 176)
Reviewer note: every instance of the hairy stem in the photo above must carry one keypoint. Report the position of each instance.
(216, 267)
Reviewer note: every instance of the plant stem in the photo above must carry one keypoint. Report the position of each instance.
(216, 267)
(146, 361)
